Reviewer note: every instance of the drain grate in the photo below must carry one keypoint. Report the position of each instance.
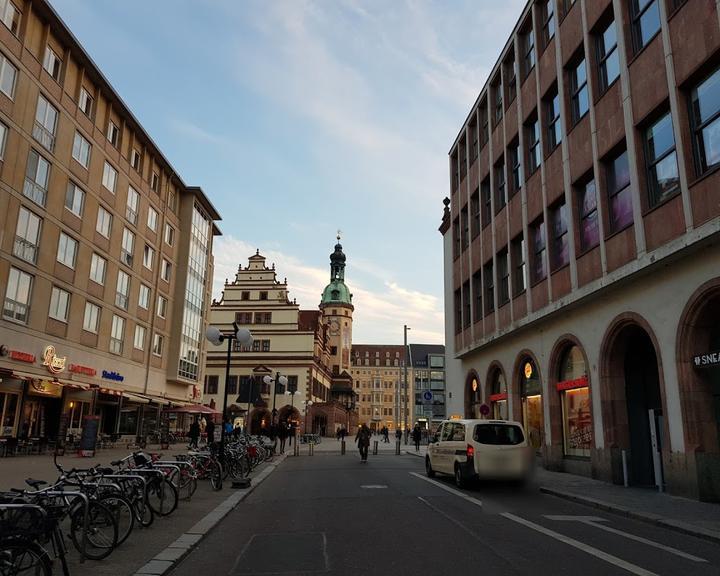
(286, 553)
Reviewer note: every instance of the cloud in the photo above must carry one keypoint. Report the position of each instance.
(188, 129)
(380, 312)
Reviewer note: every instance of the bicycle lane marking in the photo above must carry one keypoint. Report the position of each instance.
(448, 489)
(609, 558)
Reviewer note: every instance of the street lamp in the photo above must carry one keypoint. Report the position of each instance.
(282, 380)
(405, 381)
(243, 337)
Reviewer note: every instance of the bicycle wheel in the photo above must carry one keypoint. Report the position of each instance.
(143, 513)
(162, 496)
(24, 558)
(123, 512)
(216, 475)
(239, 467)
(101, 531)
(187, 484)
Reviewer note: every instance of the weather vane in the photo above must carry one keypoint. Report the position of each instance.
(338, 234)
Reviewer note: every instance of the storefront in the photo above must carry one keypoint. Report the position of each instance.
(498, 396)
(10, 394)
(575, 403)
(531, 401)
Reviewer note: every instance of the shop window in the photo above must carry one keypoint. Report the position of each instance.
(8, 413)
(77, 410)
(498, 396)
(575, 401)
(531, 398)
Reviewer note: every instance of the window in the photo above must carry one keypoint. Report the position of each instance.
(466, 312)
(475, 213)
(52, 63)
(166, 270)
(645, 21)
(245, 295)
(91, 320)
(559, 255)
(484, 130)
(139, 340)
(503, 278)
(548, 21)
(500, 191)
(537, 235)
(10, 16)
(263, 295)
(104, 222)
(152, 218)
(474, 137)
(3, 139)
(489, 283)
(122, 292)
(456, 238)
(578, 91)
(705, 115)
(464, 227)
(37, 176)
(172, 201)
(575, 402)
(608, 62)
(486, 202)
(498, 102)
(266, 345)
(157, 344)
(27, 236)
(144, 297)
(85, 102)
(618, 190)
(117, 334)
(162, 306)
(263, 317)
(232, 385)
(133, 201)
(587, 209)
(661, 161)
(67, 250)
(211, 384)
(59, 304)
(8, 73)
(532, 130)
(519, 268)
(511, 79)
(17, 296)
(516, 177)
(135, 160)
(154, 181)
(81, 150)
(98, 264)
(554, 127)
(113, 133)
(528, 40)
(46, 116)
(169, 235)
(74, 198)
(128, 247)
(478, 296)
(566, 5)
(243, 317)
(148, 257)
(109, 177)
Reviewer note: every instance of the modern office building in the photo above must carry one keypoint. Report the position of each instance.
(581, 241)
(428, 384)
(105, 253)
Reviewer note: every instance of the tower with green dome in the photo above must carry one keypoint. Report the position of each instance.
(337, 308)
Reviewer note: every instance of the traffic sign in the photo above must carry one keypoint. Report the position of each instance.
(427, 396)
(484, 409)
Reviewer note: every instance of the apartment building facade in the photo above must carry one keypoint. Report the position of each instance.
(581, 241)
(105, 253)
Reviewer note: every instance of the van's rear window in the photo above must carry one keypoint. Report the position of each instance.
(498, 434)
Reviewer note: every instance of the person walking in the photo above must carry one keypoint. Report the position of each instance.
(194, 433)
(210, 431)
(386, 435)
(363, 441)
(283, 434)
(398, 435)
(417, 436)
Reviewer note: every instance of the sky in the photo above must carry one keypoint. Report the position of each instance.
(299, 118)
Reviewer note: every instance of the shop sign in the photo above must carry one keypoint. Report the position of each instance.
(55, 364)
(498, 397)
(455, 417)
(112, 376)
(528, 370)
(78, 369)
(45, 388)
(707, 360)
(581, 382)
(22, 356)
(474, 385)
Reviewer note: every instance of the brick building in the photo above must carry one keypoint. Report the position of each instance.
(581, 241)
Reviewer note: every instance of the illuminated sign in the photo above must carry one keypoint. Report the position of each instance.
(474, 385)
(455, 417)
(112, 376)
(528, 370)
(581, 382)
(45, 388)
(22, 356)
(78, 369)
(54, 363)
(707, 360)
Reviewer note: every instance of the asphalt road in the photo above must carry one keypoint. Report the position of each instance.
(331, 514)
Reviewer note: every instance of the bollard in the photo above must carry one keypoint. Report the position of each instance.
(296, 450)
(311, 448)
(375, 447)
(397, 447)
(342, 446)
(625, 469)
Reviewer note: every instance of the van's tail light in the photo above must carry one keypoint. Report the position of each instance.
(470, 451)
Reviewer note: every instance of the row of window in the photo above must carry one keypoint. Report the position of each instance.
(256, 318)
(245, 386)
(387, 398)
(356, 361)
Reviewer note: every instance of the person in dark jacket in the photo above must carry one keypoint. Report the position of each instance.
(417, 436)
(194, 433)
(210, 431)
(363, 441)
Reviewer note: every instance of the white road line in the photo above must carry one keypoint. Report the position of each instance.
(448, 489)
(609, 558)
(594, 521)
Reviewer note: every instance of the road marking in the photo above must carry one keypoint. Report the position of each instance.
(448, 489)
(371, 486)
(609, 558)
(593, 521)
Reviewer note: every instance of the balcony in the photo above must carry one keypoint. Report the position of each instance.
(15, 310)
(35, 192)
(44, 136)
(25, 249)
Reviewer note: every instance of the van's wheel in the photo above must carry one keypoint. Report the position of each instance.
(460, 481)
(428, 468)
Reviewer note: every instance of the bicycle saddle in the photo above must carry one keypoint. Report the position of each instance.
(35, 483)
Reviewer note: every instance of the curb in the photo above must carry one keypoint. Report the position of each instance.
(413, 453)
(650, 518)
(166, 560)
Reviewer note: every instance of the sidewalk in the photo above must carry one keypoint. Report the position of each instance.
(692, 517)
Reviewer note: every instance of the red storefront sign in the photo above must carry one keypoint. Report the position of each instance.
(498, 397)
(581, 382)
(22, 356)
(78, 369)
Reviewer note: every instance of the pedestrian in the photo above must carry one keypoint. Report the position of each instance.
(386, 434)
(283, 434)
(407, 434)
(417, 436)
(228, 427)
(398, 435)
(291, 433)
(343, 433)
(194, 433)
(210, 431)
(363, 441)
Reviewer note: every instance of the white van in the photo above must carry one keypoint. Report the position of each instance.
(485, 449)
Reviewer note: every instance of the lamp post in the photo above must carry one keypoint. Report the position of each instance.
(292, 395)
(405, 382)
(243, 337)
(282, 380)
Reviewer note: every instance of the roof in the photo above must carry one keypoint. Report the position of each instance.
(308, 319)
